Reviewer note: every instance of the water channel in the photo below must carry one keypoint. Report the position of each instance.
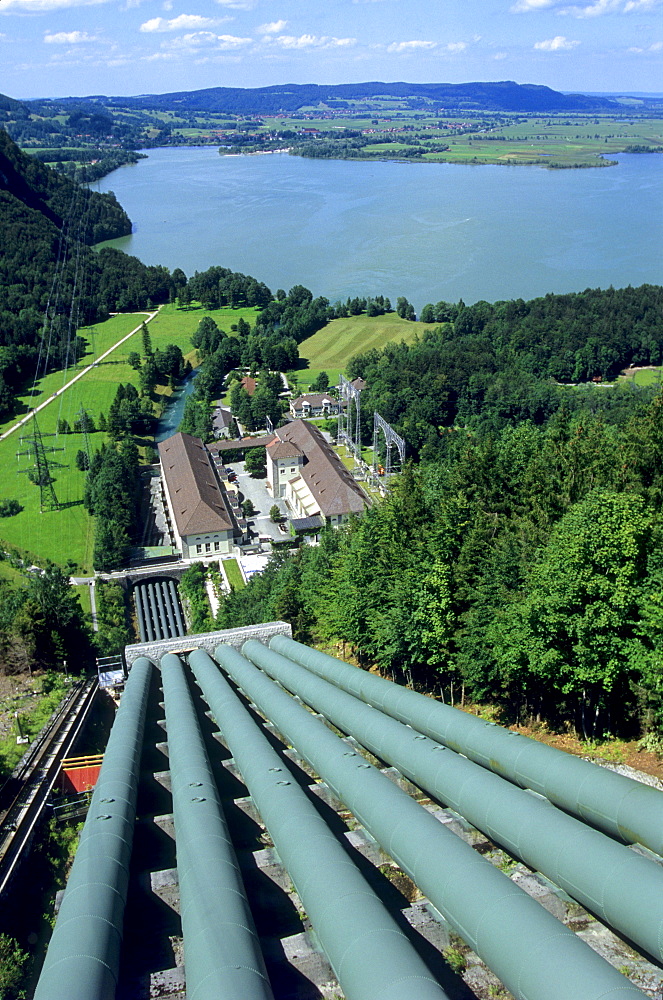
(172, 415)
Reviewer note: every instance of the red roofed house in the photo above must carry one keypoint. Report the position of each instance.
(249, 384)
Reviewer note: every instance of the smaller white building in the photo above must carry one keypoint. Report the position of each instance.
(314, 404)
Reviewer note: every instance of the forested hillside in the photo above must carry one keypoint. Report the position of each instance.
(501, 363)
(505, 96)
(523, 567)
(51, 282)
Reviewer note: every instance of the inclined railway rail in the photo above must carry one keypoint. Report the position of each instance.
(28, 789)
(249, 695)
(158, 610)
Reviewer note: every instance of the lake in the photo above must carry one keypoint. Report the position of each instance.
(428, 231)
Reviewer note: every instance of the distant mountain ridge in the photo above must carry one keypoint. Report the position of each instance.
(503, 96)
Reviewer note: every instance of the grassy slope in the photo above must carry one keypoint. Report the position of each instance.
(331, 348)
(68, 533)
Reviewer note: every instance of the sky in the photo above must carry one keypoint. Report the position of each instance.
(61, 48)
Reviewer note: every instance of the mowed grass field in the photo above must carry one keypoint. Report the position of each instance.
(331, 348)
(68, 533)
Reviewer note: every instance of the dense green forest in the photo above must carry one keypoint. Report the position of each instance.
(521, 566)
(51, 281)
(494, 364)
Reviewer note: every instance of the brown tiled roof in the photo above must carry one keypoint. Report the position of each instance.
(329, 481)
(315, 399)
(358, 383)
(284, 449)
(249, 384)
(198, 502)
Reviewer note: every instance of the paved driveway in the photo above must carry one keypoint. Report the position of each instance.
(256, 491)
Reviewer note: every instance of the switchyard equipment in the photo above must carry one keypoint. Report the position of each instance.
(349, 417)
(392, 439)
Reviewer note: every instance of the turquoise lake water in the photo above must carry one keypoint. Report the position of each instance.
(426, 231)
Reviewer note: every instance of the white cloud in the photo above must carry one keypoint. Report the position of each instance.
(272, 27)
(410, 46)
(557, 44)
(237, 4)
(181, 23)
(43, 6)
(207, 39)
(455, 47)
(654, 47)
(311, 42)
(68, 37)
(594, 9)
(524, 6)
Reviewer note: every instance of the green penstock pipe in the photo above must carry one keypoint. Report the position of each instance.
(370, 955)
(535, 956)
(618, 805)
(624, 889)
(83, 956)
(222, 955)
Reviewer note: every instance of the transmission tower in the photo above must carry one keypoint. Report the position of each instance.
(391, 439)
(349, 417)
(41, 468)
(84, 424)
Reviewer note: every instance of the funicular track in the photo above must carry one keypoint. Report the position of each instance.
(23, 797)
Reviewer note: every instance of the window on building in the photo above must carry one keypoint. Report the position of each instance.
(208, 546)
(216, 546)
(199, 548)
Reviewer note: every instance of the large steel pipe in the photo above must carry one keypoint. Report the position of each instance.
(370, 955)
(84, 953)
(622, 888)
(535, 956)
(175, 600)
(161, 611)
(170, 614)
(142, 629)
(222, 955)
(615, 804)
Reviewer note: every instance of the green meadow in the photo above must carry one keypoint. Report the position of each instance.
(331, 348)
(67, 533)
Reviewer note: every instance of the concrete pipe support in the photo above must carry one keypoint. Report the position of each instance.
(84, 953)
(624, 889)
(370, 955)
(536, 956)
(619, 806)
(222, 955)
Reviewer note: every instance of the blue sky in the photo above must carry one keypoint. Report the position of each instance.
(55, 48)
